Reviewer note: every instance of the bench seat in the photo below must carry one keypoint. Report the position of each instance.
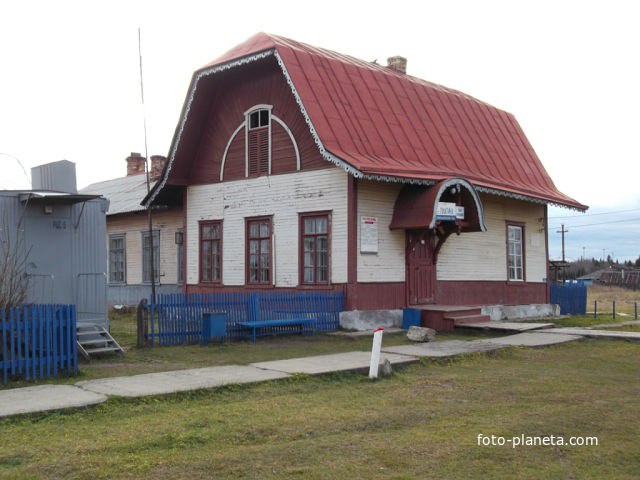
(282, 322)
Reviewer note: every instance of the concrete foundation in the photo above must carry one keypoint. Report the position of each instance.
(370, 319)
(361, 320)
(515, 312)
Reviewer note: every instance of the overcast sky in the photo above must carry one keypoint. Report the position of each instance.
(568, 70)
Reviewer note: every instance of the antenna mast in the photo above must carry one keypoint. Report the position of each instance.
(146, 165)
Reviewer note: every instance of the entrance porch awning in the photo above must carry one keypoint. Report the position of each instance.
(420, 207)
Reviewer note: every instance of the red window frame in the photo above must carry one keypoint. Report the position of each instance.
(211, 240)
(259, 246)
(522, 254)
(313, 238)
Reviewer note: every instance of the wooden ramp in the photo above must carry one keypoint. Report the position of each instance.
(94, 340)
(507, 326)
(444, 318)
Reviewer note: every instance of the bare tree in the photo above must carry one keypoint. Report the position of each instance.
(14, 280)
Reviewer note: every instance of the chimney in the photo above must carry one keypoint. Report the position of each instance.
(135, 164)
(157, 166)
(397, 63)
(56, 176)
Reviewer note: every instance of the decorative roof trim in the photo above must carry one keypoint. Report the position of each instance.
(183, 120)
(524, 198)
(458, 182)
(327, 155)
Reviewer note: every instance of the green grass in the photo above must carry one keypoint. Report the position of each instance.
(422, 422)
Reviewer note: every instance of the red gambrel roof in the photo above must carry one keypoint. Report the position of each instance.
(379, 123)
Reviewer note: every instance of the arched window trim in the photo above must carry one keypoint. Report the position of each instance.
(293, 140)
(226, 149)
(245, 125)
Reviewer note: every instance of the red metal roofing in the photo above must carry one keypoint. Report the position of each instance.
(387, 124)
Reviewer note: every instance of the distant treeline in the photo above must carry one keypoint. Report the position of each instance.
(583, 267)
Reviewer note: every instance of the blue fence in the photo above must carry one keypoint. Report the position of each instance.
(178, 319)
(572, 298)
(38, 341)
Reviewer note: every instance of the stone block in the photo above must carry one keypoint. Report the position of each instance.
(421, 334)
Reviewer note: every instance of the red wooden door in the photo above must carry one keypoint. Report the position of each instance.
(421, 271)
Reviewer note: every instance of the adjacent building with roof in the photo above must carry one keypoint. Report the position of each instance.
(301, 168)
(128, 241)
(52, 241)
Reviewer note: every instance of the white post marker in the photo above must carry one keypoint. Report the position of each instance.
(375, 353)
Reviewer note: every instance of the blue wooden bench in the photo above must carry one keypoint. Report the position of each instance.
(256, 326)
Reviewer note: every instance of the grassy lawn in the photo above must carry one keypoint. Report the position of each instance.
(605, 296)
(422, 422)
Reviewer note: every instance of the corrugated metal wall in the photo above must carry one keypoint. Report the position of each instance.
(89, 263)
(65, 250)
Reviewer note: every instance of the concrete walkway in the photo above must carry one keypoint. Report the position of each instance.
(45, 397)
(337, 362)
(85, 393)
(506, 326)
(588, 332)
(178, 380)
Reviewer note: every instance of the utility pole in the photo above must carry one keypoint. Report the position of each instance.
(564, 268)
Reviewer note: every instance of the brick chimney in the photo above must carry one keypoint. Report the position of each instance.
(397, 63)
(157, 165)
(135, 164)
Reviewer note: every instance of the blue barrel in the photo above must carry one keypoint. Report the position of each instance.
(410, 318)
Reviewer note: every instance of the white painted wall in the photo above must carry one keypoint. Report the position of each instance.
(482, 255)
(284, 197)
(377, 199)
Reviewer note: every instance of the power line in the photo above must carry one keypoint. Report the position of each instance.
(596, 214)
(605, 223)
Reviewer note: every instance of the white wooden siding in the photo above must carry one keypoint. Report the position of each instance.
(482, 255)
(377, 199)
(281, 196)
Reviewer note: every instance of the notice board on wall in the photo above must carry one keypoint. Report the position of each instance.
(368, 235)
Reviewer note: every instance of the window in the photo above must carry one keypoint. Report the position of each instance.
(259, 251)
(211, 252)
(117, 259)
(314, 241)
(259, 118)
(515, 252)
(258, 155)
(146, 256)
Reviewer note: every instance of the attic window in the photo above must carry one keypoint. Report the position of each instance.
(259, 118)
(258, 141)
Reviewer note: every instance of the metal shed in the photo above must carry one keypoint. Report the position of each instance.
(60, 235)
